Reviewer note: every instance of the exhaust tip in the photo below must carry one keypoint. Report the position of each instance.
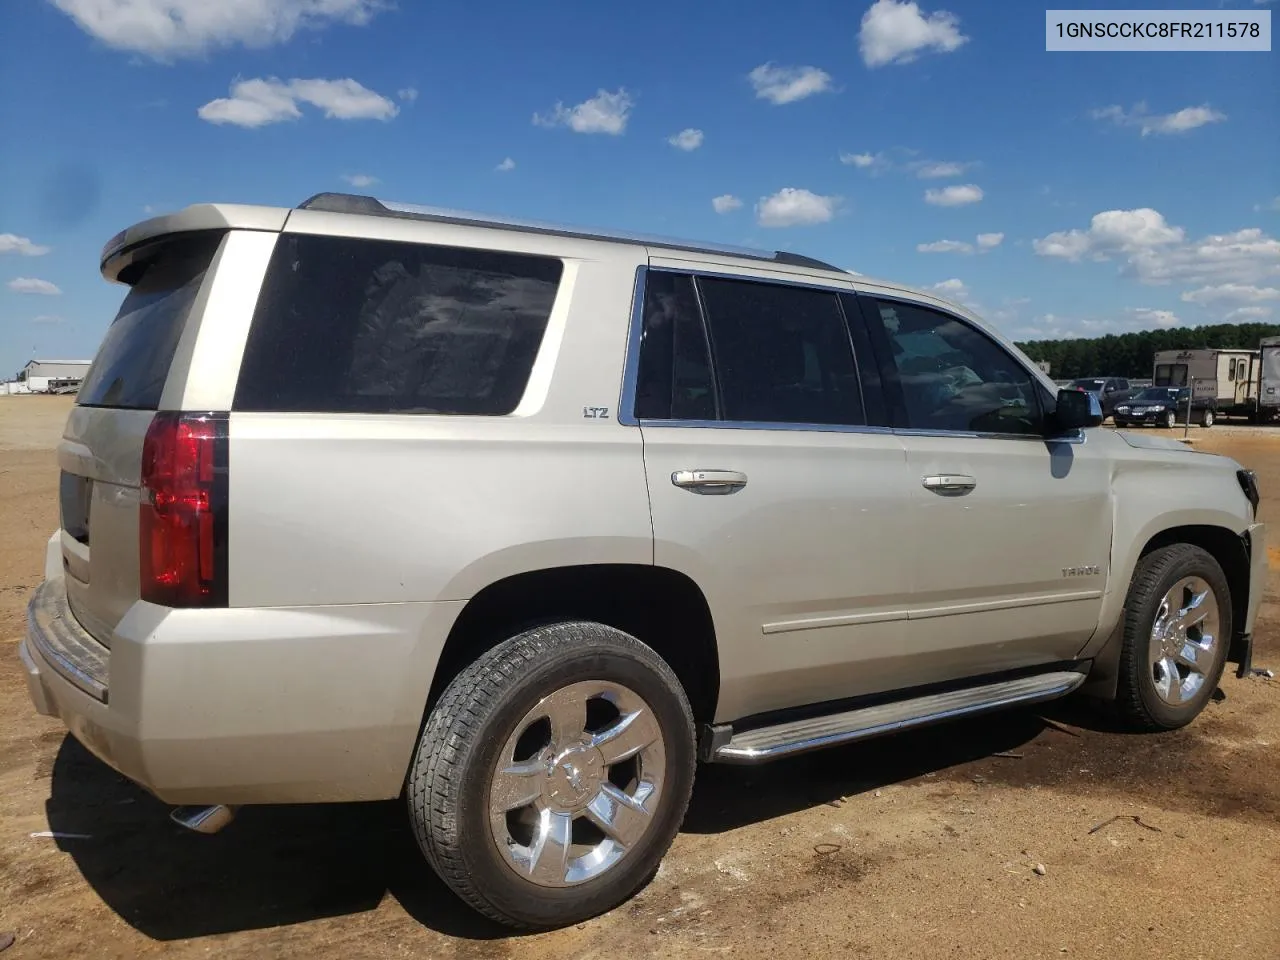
(206, 820)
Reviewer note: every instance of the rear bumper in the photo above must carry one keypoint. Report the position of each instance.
(238, 706)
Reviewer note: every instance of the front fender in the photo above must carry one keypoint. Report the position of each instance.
(1153, 494)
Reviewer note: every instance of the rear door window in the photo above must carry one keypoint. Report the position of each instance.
(373, 326)
(674, 378)
(132, 364)
(782, 354)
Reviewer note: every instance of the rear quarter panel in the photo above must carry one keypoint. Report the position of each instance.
(347, 508)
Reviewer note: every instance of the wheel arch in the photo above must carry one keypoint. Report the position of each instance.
(663, 608)
(1231, 550)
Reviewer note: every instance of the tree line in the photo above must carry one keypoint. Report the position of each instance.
(1132, 354)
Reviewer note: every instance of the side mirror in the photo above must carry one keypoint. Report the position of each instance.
(1076, 410)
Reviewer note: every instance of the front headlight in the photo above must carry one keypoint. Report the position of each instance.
(1122, 409)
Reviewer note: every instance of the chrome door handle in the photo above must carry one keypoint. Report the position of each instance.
(710, 481)
(949, 483)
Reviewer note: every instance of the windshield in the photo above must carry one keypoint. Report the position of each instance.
(1160, 395)
(1088, 384)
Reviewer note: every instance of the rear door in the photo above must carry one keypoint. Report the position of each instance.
(770, 491)
(1011, 532)
(100, 456)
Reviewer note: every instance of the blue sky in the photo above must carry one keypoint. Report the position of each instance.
(935, 143)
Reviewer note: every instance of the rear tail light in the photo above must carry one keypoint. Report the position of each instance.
(182, 517)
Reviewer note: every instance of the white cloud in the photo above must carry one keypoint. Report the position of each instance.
(408, 94)
(954, 196)
(939, 169)
(1231, 293)
(792, 206)
(945, 246)
(168, 29)
(687, 139)
(506, 166)
(787, 84)
(1147, 317)
(984, 242)
(259, 102)
(1154, 252)
(1243, 314)
(1109, 231)
(725, 203)
(1180, 121)
(360, 180)
(32, 285)
(344, 99)
(47, 319)
(604, 113)
(12, 243)
(898, 32)
(875, 162)
(954, 289)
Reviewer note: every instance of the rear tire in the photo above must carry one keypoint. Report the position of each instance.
(1206, 418)
(553, 774)
(1176, 633)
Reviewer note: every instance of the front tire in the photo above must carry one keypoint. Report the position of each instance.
(1176, 633)
(553, 774)
(1170, 420)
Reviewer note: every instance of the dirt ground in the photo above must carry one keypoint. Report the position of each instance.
(916, 846)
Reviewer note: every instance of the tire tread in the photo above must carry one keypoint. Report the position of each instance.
(452, 730)
(1148, 577)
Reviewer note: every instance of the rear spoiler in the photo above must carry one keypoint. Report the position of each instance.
(122, 249)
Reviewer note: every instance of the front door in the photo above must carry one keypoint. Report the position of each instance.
(1012, 532)
(770, 492)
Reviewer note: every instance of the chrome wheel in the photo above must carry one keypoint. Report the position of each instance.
(1207, 420)
(577, 784)
(1184, 640)
(1170, 420)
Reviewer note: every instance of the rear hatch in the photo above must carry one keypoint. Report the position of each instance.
(100, 457)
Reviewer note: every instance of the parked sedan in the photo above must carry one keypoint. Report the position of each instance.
(1109, 391)
(1163, 407)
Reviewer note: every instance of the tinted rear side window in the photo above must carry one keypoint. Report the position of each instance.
(782, 354)
(133, 361)
(372, 326)
(674, 380)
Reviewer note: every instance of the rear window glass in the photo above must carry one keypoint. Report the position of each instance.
(372, 326)
(133, 361)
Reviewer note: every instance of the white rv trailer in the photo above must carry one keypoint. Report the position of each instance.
(1227, 378)
(1269, 379)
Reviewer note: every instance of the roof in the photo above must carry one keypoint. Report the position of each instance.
(56, 363)
(124, 246)
(371, 206)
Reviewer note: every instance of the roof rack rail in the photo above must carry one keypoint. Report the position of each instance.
(371, 206)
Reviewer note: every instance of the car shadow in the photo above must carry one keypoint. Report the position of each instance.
(273, 866)
(729, 797)
(281, 865)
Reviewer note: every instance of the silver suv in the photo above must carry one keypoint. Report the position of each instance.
(365, 500)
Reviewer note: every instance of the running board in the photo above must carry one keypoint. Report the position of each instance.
(814, 733)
